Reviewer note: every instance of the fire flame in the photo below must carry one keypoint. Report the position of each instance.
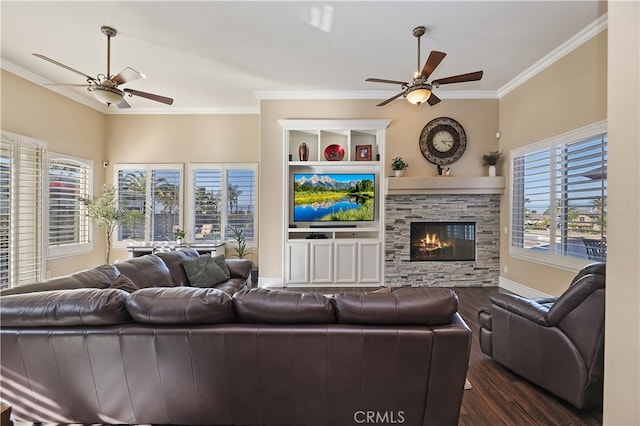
(431, 242)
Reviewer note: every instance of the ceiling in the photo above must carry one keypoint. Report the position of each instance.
(224, 57)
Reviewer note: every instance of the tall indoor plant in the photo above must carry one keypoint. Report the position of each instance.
(105, 211)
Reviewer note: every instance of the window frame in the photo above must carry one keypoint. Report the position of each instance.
(36, 216)
(560, 261)
(54, 252)
(148, 168)
(190, 205)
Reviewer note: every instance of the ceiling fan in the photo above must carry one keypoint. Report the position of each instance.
(419, 90)
(105, 86)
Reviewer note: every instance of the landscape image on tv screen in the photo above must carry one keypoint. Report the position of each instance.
(341, 197)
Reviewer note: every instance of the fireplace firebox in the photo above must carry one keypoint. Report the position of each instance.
(442, 241)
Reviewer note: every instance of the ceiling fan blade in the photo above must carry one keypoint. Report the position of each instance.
(383, 103)
(126, 75)
(67, 84)
(433, 99)
(472, 76)
(124, 104)
(151, 96)
(88, 77)
(381, 80)
(433, 61)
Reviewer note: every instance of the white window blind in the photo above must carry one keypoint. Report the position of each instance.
(222, 196)
(152, 194)
(559, 197)
(21, 180)
(69, 184)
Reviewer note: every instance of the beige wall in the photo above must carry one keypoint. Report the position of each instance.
(622, 333)
(181, 139)
(566, 96)
(68, 128)
(478, 117)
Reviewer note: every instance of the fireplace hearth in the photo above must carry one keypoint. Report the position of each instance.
(442, 241)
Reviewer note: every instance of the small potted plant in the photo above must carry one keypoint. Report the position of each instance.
(398, 165)
(491, 159)
(179, 235)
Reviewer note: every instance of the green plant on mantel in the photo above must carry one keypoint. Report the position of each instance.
(491, 159)
(179, 234)
(398, 163)
(105, 211)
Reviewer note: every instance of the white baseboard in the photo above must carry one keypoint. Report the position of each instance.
(519, 289)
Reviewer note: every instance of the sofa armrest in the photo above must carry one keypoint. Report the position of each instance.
(526, 308)
(240, 268)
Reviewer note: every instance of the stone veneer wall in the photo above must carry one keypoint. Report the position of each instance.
(401, 210)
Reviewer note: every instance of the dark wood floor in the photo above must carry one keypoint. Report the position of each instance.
(499, 397)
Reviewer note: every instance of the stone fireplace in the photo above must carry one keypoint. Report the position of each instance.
(461, 216)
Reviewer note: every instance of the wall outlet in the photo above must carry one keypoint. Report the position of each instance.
(505, 268)
(506, 229)
(48, 274)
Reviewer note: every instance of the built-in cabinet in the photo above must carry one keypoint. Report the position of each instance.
(342, 252)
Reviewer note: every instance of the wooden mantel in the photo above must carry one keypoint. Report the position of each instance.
(445, 185)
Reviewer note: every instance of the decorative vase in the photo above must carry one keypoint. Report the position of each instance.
(303, 152)
(178, 241)
(399, 173)
(492, 170)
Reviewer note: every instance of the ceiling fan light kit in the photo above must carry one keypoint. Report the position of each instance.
(419, 90)
(107, 95)
(418, 94)
(105, 86)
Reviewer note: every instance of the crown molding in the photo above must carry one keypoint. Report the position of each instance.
(184, 111)
(558, 53)
(366, 94)
(41, 81)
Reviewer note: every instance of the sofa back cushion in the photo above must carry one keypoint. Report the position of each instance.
(173, 260)
(181, 305)
(265, 306)
(146, 271)
(407, 305)
(99, 277)
(89, 306)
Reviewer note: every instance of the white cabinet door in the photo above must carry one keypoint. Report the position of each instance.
(322, 262)
(298, 262)
(346, 261)
(369, 262)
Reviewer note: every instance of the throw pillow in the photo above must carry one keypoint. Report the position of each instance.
(205, 271)
(123, 282)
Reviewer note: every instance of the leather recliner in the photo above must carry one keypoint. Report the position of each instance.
(555, 342)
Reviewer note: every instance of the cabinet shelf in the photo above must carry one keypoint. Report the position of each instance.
(346, 255)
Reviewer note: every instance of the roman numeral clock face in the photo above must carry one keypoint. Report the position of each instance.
(443, 141)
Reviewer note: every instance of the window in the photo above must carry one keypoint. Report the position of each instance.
(222, 197)
(559, 199)
(69, 183)
(21, 181)
(152, 193)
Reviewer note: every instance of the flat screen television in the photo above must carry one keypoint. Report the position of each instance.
(334, 197)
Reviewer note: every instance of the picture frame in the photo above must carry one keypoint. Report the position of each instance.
(363, 152)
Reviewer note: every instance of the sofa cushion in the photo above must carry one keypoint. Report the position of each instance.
(124, 283)
(180, 305)
(173, 260)
(261, 305)
(406, 305)
(206, 271)
(65, 308)
(99, 277)
(146, 271)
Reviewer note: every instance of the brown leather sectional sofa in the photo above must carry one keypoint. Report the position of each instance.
(201, 356)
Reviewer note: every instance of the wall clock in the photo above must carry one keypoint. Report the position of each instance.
(442, 141)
